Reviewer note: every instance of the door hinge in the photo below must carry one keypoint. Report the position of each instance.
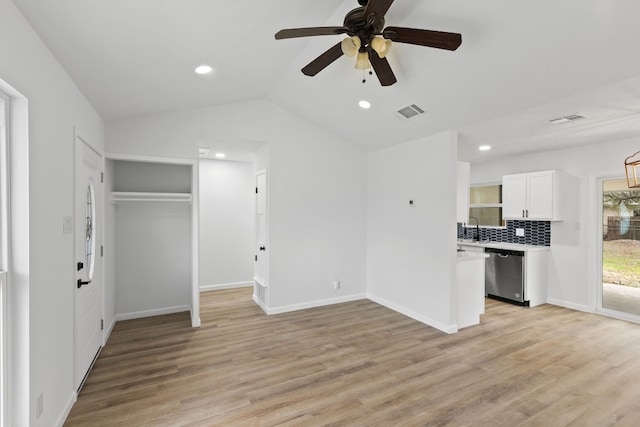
(101, 250)
(256, 190)
(102, 177)
(102, 324)
(80, 266)
(256, 257)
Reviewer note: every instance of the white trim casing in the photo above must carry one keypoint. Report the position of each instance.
(194, 309)
(5, 288)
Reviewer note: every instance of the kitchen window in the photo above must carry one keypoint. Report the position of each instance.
(485, 203)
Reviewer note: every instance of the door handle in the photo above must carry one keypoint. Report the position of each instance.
(81, 283)
(262, 248)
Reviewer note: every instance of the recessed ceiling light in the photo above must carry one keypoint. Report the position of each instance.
(484, 148)
(204, 69)
(203, 151)
(220, 155)
(364, 104)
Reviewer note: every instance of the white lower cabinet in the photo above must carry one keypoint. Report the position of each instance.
(470, 248)
(470, 279)
(535, 277)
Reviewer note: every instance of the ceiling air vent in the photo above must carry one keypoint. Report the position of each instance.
(410, 111)
(566, 119)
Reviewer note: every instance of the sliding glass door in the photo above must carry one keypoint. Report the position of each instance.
(620, 248)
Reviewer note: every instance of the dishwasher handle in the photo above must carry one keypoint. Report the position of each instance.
(503, 253)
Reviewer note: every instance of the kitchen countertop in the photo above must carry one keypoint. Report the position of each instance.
(471, 256)
(502, 245)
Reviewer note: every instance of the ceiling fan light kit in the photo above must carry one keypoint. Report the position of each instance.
(370, 40)
(381, 46)
(351, 45)
(362, 62)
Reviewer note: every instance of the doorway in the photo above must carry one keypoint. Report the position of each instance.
(88, 260)
(619, 293)
(261, 273)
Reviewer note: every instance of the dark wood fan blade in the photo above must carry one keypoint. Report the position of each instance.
(311, 31)
(382, 68)
(322, 61)
(377, 7)
(437, 39)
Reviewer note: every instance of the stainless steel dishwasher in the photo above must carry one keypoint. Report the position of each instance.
(504, 275)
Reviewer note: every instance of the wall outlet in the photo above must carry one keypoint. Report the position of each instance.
(520, 232)
(39, 405)
(336, 284)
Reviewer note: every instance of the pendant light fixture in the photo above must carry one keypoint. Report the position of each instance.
(632, 169)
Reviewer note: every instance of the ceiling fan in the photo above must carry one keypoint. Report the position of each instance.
(370, 40)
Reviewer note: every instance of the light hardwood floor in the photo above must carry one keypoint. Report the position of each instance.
(360, 364)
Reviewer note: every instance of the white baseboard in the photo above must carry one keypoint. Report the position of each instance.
(206, 288)
(154, 312)
(311, 304)
(195, 321)
(448, 329)
(108, 331)
(570, 305)
(67, 409)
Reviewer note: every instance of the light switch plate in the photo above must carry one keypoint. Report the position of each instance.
(67, 225)
(520, 232)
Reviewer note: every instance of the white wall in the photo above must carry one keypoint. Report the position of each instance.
(55, 107)
(153, 258)
(317, 191)
(227, 237)
(573, 263)
(411, 258)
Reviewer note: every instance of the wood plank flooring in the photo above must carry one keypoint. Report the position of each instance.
(360, 364)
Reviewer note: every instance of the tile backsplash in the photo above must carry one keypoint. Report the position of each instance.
(535, 233)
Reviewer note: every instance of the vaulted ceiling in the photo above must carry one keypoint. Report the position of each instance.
(520, 64)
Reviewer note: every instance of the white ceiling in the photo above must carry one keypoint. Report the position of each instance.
(520, 64)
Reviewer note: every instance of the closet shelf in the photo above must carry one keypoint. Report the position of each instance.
(120, 196)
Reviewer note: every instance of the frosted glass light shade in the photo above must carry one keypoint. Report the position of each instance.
(381, 46)
(362, 62)
(351, 45)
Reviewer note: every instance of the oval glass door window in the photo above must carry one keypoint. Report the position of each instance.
(90, 241)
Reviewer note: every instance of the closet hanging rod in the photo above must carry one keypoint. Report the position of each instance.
(119, 197)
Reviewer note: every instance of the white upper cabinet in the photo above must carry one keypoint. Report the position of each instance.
(533, 196)
(464, 180)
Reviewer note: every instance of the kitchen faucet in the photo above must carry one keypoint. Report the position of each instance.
(477, 239)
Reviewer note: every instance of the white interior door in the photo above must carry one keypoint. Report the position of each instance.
(261, 272)
(88, 262)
